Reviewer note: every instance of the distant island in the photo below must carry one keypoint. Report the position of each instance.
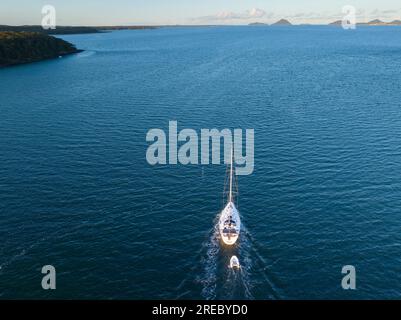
(258, 24)
(25, 47)
(375, 22)
(282, 22)
(378, 22)
(394, 23)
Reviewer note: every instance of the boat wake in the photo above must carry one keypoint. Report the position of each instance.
(219, 281)
(86, 53)
(229, 259)
(210, 264)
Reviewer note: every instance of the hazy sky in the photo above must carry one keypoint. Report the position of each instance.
(126, 12)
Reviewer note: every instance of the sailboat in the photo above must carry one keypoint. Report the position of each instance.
(229, 222)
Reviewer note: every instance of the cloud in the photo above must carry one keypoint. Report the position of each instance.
(390, 11)
(377, 11)
(254, 13)
(314, 17)
(385, 14)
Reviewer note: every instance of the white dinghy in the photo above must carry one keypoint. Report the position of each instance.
(234, 262)
(229, 222)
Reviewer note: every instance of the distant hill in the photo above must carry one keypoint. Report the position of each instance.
(282, 22)
(70, 30)
(394, 23)
(258, 24)
(336, 23)
(25, 47)
(126, 27)
(58, 30)
(375, 22)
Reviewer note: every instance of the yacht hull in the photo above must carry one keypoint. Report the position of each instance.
(229, 224)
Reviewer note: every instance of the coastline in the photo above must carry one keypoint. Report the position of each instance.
(18, 48)
(3, 66)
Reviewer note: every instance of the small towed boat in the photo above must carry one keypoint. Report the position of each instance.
(230, 222)
(234, 262)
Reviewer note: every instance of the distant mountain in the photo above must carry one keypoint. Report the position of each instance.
(394, 23)
(258, 24)
(376, 22)
(282, 22)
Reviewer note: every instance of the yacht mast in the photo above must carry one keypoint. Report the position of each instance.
(231, 176)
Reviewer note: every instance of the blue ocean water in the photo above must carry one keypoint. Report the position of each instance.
(76, 191)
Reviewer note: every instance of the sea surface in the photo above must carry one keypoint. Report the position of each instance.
(76, 191)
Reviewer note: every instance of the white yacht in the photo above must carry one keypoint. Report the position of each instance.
(229, 222)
